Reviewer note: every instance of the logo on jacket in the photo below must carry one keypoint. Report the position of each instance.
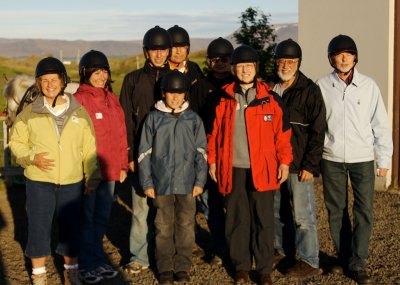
(267, 118)
(99, 116)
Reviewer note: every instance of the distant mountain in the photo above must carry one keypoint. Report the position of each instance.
(18, 48)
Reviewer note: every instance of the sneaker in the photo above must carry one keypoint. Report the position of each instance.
(303, 270)
(166, 278)
(71, 277)
(182, 276)
(90, 277)
(134, 267)
(361, 277)
(106, 271)
(39, 279)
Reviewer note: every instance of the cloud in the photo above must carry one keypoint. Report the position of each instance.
(114, 25)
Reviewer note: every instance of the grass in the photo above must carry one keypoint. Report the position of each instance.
(10, 67)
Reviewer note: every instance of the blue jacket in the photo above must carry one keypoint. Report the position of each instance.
(172, 151)
(357, 121)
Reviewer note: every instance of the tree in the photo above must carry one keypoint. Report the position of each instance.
(257, 32)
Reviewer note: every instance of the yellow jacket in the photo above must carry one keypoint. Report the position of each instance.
(73, 150)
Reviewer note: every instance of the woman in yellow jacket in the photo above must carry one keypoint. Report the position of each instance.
(53, 139)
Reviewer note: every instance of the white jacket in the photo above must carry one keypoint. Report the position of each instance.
(357, 121)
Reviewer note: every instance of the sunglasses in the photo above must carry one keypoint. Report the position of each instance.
(220, 59)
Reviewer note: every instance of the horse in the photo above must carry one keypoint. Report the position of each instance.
(20, 91)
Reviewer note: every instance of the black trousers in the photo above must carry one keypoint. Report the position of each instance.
(249, 228)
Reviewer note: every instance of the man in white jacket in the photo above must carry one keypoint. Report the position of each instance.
(358, 133)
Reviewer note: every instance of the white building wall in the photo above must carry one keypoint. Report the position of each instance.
(369, 22)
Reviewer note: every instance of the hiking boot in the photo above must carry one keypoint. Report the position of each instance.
(265, 279)
(241, 277)
(71, 277)
(303, 270)
(182, 276)
(39, 279)
(277, 258)
(361, 277)
(135, 267)
(89, 277)
(106, 271)
(166, 278)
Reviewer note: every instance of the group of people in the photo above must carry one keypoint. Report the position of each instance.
(247, 150)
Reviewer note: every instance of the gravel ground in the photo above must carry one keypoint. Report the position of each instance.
(383, 262)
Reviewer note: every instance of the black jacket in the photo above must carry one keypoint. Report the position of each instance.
(204, 97)
(140, 90)
(306, 110)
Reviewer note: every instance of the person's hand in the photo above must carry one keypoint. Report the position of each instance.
(283, 173)
(150, 193)
(381, 172)
(43, 163)
(212, 170)
(122, 175)
(197, 190)
(304, 175)
(132, 166)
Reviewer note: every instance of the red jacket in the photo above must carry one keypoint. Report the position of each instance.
(109, 124)
(268, 135)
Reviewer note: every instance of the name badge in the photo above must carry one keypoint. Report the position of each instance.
(99, 116)
(268, 118)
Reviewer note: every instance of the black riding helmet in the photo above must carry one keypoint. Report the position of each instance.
(243, 54)
(342, 43)
(50, 65)
(179, 36)
(93, 59)
(219, 48)
(288, 49)
(156, 38)
(175, 82)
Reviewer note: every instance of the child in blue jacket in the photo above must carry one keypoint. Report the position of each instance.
(172, 171)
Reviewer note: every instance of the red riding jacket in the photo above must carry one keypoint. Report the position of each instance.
(268, 135)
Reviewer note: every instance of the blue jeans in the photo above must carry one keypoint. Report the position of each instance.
(142, 227)
(44, 201)
(174, 226)
(295, 220)
(96, 213)
(351, 242)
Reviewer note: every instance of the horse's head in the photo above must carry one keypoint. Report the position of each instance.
(14, 90)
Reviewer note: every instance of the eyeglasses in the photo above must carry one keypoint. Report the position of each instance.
(220, 59)
(282, 62)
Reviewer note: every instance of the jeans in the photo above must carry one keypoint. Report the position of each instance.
(249, 227)
(44, 201)
(295, 220)
(96, 213)
(351, 241)
(142, 227)
(174, 224)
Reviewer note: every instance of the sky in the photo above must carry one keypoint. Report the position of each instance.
(130, 19)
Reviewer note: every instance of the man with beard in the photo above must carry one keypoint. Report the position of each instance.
(358, 132)
(295, 212)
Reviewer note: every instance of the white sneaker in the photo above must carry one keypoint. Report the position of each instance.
(106, 271)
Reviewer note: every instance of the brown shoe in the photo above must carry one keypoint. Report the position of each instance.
(277, 258)
(303, 270)
(241, 277)
(265, 279)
